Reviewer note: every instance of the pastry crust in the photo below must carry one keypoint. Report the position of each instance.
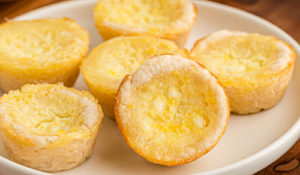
(161, 132)
(49, 127)
(265, 75)
(41, 51)
(107, 64)
(172, 20)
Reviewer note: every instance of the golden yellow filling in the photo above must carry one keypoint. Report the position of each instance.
(112, 60)
(41, 41)
(137, 13)
(239, 58)
(176, 108)
(45, 111)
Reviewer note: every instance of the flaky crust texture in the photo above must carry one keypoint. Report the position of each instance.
(51, 159)
(179, 36)
(11, 80)
(105, 99)
(128, 79)
(106, 94)
(65, 70)
(55, 156)
(262, 97)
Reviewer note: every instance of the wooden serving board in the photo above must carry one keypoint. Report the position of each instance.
(283, 13)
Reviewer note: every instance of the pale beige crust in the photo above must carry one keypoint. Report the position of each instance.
(243, 101)
(106, 94)
(180, 36)
(121, 94)
(67, 71)
(51, 159)
(14, 80)
(106, 100)
(261, 98)
(53, 156)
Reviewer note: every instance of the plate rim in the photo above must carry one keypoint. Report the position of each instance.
(288, 138)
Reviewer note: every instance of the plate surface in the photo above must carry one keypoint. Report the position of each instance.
(250, 143)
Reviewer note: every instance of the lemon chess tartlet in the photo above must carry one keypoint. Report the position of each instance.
(171, 110)
(107, 64)
(168, 19)
(42, 50)
(254, 69)
(49, 127)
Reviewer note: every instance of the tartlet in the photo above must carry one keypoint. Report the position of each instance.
(172, 20)
(254, 69)
(41, 51)
(107, 64)
(49, 127)
(171, 110)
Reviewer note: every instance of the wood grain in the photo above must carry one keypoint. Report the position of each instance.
(283, 13)
(10, 9)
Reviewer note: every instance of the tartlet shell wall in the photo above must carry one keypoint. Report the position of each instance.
(178, 36)
(244, 101)
(56, 156)
(166, 163)
(13, 77)
(105, 98)
(106, 95)
(260, 98)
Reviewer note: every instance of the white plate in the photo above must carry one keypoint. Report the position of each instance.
(250, 142)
